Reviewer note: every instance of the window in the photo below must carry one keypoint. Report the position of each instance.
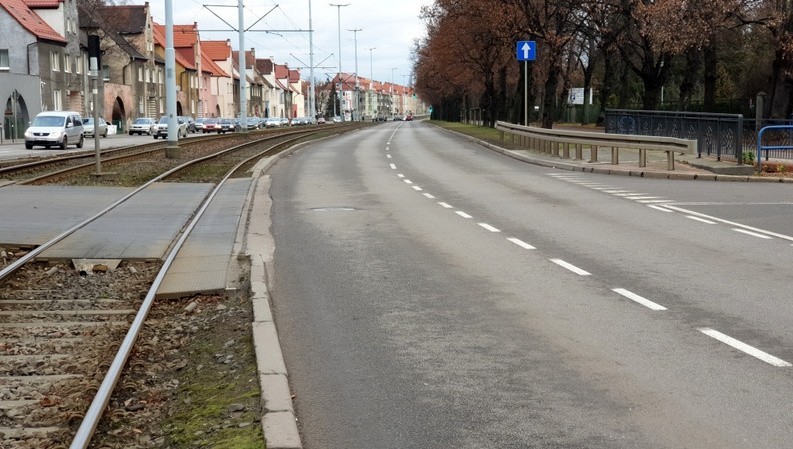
(55, 61)
(140, 74)
(57, 100)
(105, 72)
(4, 63)
(148, 75)
(67, 64)
(78, 64)
(140, 105)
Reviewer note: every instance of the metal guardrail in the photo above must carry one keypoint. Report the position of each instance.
(554, 141)
(767, 148)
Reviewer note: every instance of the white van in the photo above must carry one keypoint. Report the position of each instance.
(55, 128)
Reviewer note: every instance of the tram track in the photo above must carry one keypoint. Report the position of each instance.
(60, 325)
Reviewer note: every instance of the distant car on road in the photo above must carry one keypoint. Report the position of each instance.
(321, 121)
(228, 125)
(409, 118)
(190, 123)
(199, 124)
(88, 127)
(161, 128)
(272, 122)
(142, 125)
(336, 119)
(211, 125)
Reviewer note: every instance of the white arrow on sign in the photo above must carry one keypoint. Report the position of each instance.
(526, 49)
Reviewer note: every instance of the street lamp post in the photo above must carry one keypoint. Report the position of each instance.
(338, 12)
(354, 111)
(371, 78)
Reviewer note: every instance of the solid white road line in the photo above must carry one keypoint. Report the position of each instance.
(429, 196)
(637, 198)
(463, 214)
(446, 205)
(489, 228)
(741, 346)
(393, 166)
(634, 297)
(570, 267)
(661, 208)
(700, 219)
(753, 234)
(520, 243)
(417, 188)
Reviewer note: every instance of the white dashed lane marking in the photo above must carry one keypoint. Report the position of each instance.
(638, 299)
(429, 196)
(417, 188)
(571, 267)
(463, 214)
(741, 346)
(446, 205)
(393, 166)
(520, 243)
(489, 228)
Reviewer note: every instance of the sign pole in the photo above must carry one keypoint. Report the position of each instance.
(526, 93)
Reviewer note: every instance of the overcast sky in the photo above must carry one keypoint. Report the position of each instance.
(390, 26)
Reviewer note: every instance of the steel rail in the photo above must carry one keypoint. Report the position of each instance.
(88, 426)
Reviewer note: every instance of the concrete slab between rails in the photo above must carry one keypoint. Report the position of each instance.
(205, 262)
(142, 228)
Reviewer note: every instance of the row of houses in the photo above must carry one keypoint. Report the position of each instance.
(44, 66)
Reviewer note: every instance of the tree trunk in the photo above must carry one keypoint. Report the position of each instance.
(781, 88)
(690, 75)
(549, 101)
(710, 62)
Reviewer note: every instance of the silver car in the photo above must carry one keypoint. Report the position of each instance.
(142, 125)
(55, 128)
(161, 128)
(88, 127)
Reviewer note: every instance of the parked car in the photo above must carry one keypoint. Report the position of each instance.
(199, 124)
(397, 118)
(409, 118)
(228, 125)
(336, 119)
(161, 128)
(272, 122)
(299, 121)
(321, 121)
(88, 127)
(55, 128)
(284, 121)
(253, 122)
(190, 123)
(211, 125)
(142, 125)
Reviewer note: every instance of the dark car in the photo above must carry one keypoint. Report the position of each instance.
(190, 123)
(227, 125)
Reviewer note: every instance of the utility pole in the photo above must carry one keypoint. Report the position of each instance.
(172, 148)
(357, 87)
(371, 76)
(338, 91)
(243, 71)
(312, 107)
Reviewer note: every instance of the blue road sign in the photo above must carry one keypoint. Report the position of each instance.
(526, 51)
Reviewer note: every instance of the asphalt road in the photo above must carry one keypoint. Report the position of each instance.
(430, 293)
